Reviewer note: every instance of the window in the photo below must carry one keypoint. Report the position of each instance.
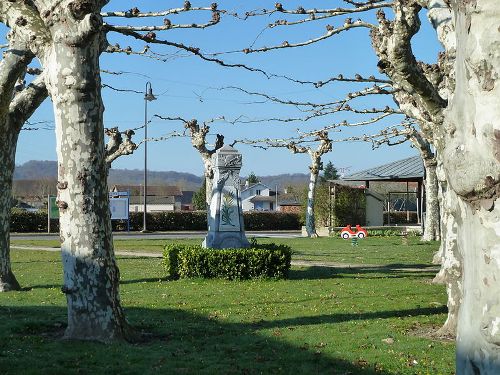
(257, 192)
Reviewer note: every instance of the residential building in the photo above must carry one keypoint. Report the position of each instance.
(159, 198)
(258, 197)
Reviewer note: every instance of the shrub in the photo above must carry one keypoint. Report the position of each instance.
(400, 217)
(28, 222)
(269, 260)
(23, 221)
(383, 232)
(256, 220)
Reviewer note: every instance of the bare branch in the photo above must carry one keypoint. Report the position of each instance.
(136, 13)
(331, 31)
(117, 145)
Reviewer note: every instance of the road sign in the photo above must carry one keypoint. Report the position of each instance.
(53, 209)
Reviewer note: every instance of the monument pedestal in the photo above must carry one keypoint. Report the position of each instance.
(225, 219)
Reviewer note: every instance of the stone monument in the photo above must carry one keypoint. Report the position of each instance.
(225, 217)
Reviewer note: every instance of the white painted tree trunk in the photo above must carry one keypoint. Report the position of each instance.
(8, 142)
(91, 276)
(209, 178)
(451, 262)
(17, 104)
(472, 162)
(432, 216)
(311, 192)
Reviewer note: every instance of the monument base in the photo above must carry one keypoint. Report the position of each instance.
(225, 240)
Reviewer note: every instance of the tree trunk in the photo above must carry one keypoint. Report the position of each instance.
(472, 162)
(451, 263)
(209, 179)
(91, 276)
(432, 216)
(8, 144)
(310, 217)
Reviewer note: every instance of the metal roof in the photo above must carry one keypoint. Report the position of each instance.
(401, 170)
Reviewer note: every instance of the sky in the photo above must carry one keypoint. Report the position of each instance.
(186, 86)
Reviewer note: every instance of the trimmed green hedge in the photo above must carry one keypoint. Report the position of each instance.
(31, 222)
(258, 220)
(23, 221)
(382, 233)
(266, 260)
(400, 217)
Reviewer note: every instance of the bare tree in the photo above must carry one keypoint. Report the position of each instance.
(17, 104)
(451, 100)
(455, 98)
(198, 135)
(68, 38)
(301, 145)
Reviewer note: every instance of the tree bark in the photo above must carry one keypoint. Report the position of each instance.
(472, 162)
(432, 230)
(91, 276)
(311, 192)
(432, 214)
(17, 104)
(8, 144)
(451, 262)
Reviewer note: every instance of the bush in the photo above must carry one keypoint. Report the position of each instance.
(23, 221)
(257, 220)
(383, 232)
(399, 217)
(269, 260)
(29, 222)
(164, 221)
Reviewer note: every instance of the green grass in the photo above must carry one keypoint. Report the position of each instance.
(372, 250)
(320, 321)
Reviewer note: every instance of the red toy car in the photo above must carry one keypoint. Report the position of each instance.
(347, 232)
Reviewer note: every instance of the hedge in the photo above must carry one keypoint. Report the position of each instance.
(192, 261)
(400, 217)
(23, 221)
(258, 220)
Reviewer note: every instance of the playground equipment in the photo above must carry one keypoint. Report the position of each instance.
(347, 232)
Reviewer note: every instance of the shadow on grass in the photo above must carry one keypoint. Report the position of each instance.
(146, 280)
(180, 342)
(339, 318)
(395, 270)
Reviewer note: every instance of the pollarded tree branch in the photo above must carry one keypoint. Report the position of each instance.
(375, 90)
(392, 43)
(332, 12)
(330, 31)
(118, 145)
(27, 101)
(167, 25)
(136, 13)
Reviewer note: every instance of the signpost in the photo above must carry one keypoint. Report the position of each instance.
(52, 210)
(119, 206)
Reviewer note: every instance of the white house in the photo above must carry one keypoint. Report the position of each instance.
(258, 197)
(160, 198)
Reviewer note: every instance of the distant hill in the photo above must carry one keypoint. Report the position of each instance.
(284, 180)
(47, 169)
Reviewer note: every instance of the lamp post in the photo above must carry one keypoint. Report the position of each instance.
(148, 97)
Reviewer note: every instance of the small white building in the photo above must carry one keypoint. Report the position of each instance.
(258, 197)
(160, 198)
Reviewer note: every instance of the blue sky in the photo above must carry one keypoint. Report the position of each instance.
(188, 87)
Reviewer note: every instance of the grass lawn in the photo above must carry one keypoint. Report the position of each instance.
(372, 250)
(320, 321)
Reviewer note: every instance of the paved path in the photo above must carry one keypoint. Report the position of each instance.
(300, 263)
(161, 235)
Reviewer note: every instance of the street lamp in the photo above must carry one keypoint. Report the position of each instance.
(148, 97)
